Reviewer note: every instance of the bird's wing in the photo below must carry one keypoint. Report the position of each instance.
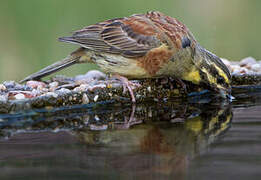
(131, 37)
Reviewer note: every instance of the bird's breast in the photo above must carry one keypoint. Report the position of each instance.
(117, 64)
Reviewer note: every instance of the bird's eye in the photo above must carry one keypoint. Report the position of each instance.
(185, 42)
(220, 80)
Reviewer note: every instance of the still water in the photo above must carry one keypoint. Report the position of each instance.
(192, 139)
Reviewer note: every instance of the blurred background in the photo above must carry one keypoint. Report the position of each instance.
(29, 29)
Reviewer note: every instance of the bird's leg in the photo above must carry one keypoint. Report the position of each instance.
(127, 84)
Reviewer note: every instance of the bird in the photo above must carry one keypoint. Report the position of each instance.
(149, 45)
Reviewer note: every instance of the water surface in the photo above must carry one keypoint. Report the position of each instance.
(169, 140)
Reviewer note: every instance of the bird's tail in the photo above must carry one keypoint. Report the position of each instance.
(73, 58)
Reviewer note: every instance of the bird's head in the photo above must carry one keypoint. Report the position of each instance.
(213, 72)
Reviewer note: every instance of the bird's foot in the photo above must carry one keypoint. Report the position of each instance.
(127, 85)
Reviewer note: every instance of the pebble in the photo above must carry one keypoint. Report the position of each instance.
(53, 85)
(95, 98)
(9, 84)
(63, 91)
(36, 84)
(51, 94)
(3, 98)
(98, 127)
(2, 87)
(81, 88)
(247, 61)
(19, 96)
(256, 67)
(91, 75)
(85, 99)
(247, 65)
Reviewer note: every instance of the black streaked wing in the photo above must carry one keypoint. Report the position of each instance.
(114, 37)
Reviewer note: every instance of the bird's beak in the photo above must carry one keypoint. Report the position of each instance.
(226, 94)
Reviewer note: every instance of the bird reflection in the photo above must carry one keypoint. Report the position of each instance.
(157, 141)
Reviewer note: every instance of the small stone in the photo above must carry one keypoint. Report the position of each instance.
(91, 75)
(36, 92)
(247, 61)
(96, 117)
(98, 127)
(149, 89)
(2, 87)
(98, 86)
(3, 98)
(36, 84)
(53, 85)
(235, 69)
(52, 94)
(64, 91)
(83, 87)
(19, 96)
(85, 99)
(256, 67)
(77, 89)
(244, 70)
(43, 90)
(95, 98)
(9, 84)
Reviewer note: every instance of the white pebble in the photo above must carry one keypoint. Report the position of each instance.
(19, 96)
(95, 98)
(2, 87)
(244, 70)
(36, 84)
(53, 84)
(235, 68)
(97, 127)
(256, 67)
(36, 92)
(96, 117)
(247, 61)
(52, 94)
(3, 98)
(236, 71)
(83, 87)
(64, 90)
(77, 89)
(90, 75)
(85, 99)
